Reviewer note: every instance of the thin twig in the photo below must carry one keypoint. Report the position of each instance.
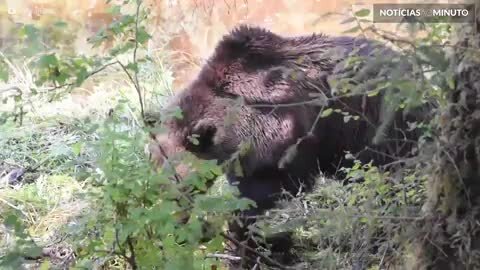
(88, 76)
(136, 83)
(131, 259)
(117, 240)
(13, 206)
(223, 257)
(175, 173)
(11, 88)
(137, 88)
(383, 258)
(266, 258)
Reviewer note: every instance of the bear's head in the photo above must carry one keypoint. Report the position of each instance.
(258, 95)
(248, 97)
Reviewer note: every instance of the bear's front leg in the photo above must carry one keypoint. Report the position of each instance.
(246, 243)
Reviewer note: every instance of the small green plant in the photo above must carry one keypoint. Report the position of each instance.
(143, 217)
(138, 216)
(133, 215)
(370, 220)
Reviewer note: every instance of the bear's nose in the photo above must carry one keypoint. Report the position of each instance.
(157, 156)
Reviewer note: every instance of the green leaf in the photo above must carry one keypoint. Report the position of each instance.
(33, 250)
(132, 66)
(60, 24)
(122, 48)
(49, 60)
(364, 220)
(327, 112)
(77, 148)
(435, 56)
(450, 81)
(29, 31)
(62, 77)
(114, 10)
(177, 113)
(45, 265)
(362, 13)
(81, 75)
(216, 244)
(98, 38)
(142, 36)
(11, 221)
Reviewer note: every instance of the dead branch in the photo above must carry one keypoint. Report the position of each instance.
(223, 257)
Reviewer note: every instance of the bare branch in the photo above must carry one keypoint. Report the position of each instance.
(223, 257)
(265, 258)
(136, 83)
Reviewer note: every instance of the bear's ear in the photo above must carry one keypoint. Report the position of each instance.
(248, 42)
(202, 135)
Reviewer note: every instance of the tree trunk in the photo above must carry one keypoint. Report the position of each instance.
(450, 235)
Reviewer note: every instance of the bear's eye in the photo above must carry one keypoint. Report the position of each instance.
(274, 76)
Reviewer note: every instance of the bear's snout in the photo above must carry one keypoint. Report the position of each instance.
(160, 149)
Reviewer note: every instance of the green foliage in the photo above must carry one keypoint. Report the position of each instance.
(137, 216)
(371, 220)
(57, 70)
(145, 218)
(32, 214)
(46, 148)
(71, 71)
(368, 221)
(140, 217)
(23, 244)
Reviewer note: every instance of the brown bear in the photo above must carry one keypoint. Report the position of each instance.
(280, 101)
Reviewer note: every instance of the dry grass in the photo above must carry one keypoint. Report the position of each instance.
(47, 204)
(53, 198)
